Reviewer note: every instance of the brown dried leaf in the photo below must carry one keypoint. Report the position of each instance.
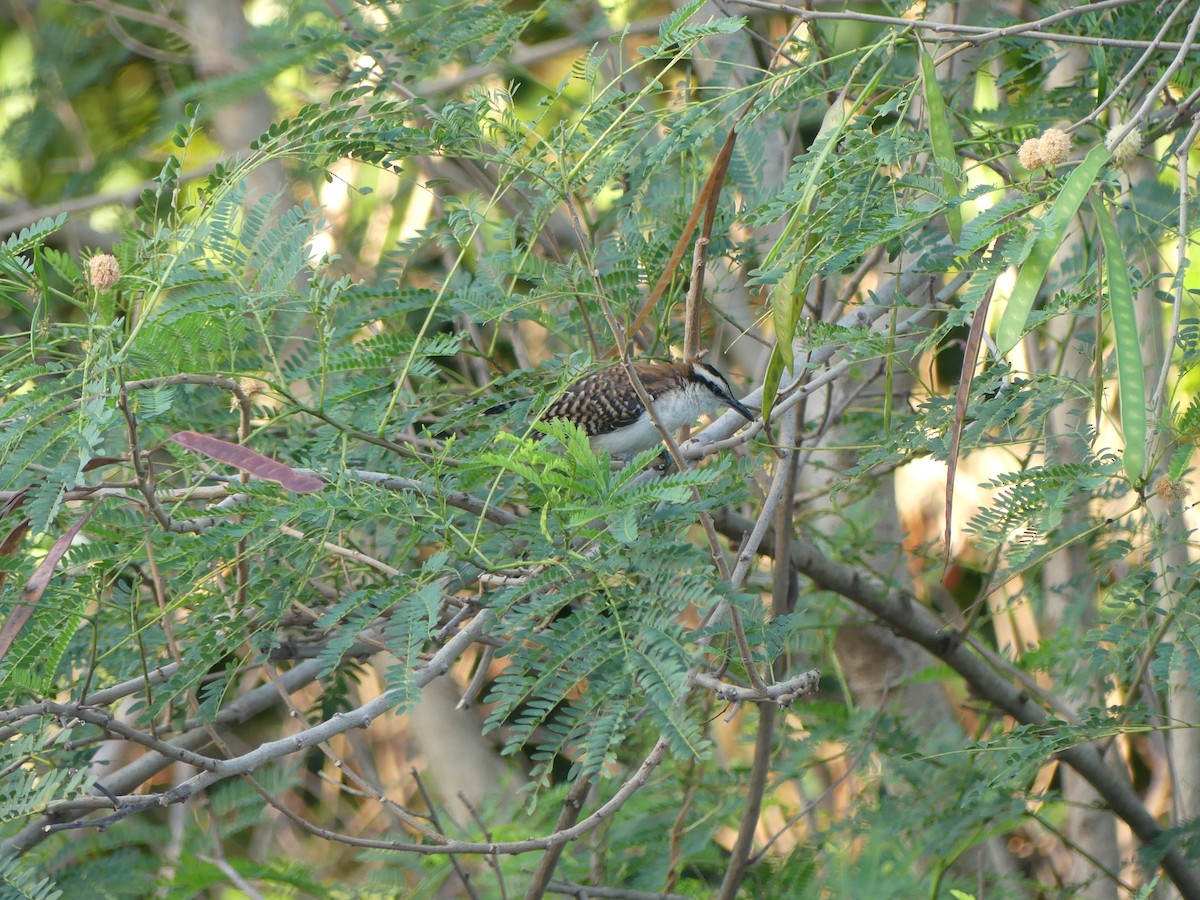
(970, 358)
(37, 584)
(11, 542)
(248, 461)
(706, 203)
(13, 503)
(99, 462)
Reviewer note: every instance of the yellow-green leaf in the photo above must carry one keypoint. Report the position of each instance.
(943, 144)
(785, 308)
(1045, 246)
(1131, 377)
(775, 367)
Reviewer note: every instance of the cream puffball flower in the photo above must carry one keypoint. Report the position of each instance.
(103, 271)
(1055, 145)
(1129, 146)
(1048, 150)
(1030, 154)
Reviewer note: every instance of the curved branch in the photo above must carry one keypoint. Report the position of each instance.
(266, 753)
(972, 34)
(784, 693)
(909, 619)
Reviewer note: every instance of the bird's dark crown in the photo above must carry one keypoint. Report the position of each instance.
(703, 374)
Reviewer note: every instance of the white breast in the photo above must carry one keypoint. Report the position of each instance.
(675, 409)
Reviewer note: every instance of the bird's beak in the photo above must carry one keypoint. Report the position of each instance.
(741, 409)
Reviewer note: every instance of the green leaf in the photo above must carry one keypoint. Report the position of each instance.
(623, 526)
(774, 373)
(1130, 375)
(785, 306)
(672, 23)
(1045, 246)
(1181, 460)
(943, 144)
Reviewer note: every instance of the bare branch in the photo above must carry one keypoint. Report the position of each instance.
(783, 693)
(909, 619)
(971, 34)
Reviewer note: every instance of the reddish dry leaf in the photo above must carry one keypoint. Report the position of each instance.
(13, 503)
(248, 461)
(970, 358)
(709, 197)
(99, 462)
(14, 537)
(705, 203)
(37, 584)
(11, 542)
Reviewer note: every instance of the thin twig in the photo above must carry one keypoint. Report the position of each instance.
(1159, 399)
(971, 35)
(478, 679)
(1117, 91)
(584, 892)
(234, 876)
(567, 816)
(830, 788)
(464, 877)
(782, 693)
(1152, 95)
(487, 836)
(756, 787)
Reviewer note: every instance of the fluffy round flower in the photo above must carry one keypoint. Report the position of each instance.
(1169, 491)
(1054, 145)
(1128, 147)
(103, 271)
(1030, 153)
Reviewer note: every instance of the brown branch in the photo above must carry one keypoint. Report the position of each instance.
(756, 786)
(458, 499)
(463, 876)
(132, 776)
(112, 725)
(144, 475)
(782, 693)
(567, 816)
(250, 762)
(583, 892)
(971, 35)
(511, 848)
(909, 619)
(492, 861)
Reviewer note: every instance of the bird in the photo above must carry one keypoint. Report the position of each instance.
(606, 406)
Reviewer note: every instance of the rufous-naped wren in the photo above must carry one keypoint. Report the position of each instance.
(607, 407)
